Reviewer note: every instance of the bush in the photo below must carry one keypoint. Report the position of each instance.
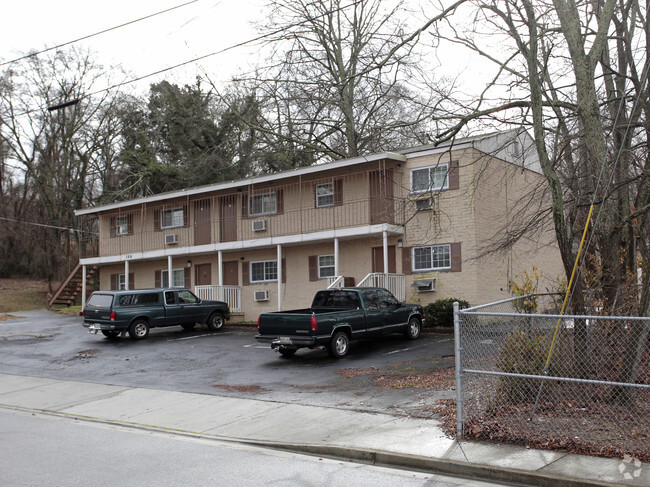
(441, 312)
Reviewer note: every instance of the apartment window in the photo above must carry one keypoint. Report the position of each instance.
(427, 179)
(324, 195)
(432, 257)
(122, 225)
(178, 278)
(325, 266)
(121, 282)
(171, 218)
(263, 204)
(264, 271)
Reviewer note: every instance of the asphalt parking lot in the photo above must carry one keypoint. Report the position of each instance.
(228, 363)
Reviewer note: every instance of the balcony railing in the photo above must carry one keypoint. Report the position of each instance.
(359, 199)
(229, 294)
(395, 283)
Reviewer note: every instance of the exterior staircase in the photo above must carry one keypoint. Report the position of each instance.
(71, 287)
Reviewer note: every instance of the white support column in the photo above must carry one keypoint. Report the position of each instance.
(385, 235)
(169, 271)
(336, 257)
(220, 268)
(83, 287)
(279, 277)
(126, 275)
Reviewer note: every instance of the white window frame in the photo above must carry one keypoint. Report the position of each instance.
(325, 191)
(178, 281)
(174, 213)
(122, 225)
(269, 207)
(322, 266)
(267, 271)
(121, 282)
(438, 169)
(445, 249)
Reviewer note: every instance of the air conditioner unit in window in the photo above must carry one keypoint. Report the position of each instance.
(425, 285)
(259, 225)
(424, 204)
(261, 296)
(171, 239)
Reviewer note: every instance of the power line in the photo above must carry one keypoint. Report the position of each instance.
(221, 51)
(33, 54)
(43, 225)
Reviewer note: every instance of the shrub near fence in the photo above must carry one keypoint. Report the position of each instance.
(552, 381)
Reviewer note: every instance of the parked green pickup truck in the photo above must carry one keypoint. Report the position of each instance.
(338, 316)
(116, 312)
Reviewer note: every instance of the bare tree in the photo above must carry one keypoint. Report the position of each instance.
(57, 134)
(572, 71)
(344, 79)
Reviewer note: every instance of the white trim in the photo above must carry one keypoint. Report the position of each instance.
(430, 188)
(324, 236)
(278, 270)
(430, 247)
(230, 185)
(327, 266)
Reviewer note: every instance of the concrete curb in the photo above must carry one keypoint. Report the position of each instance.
(450, 467)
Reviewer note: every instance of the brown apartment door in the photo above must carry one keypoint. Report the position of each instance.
(381, 196)
(231, 273)
(202, 224)
(228, 221)
(378, 259)
(203, 274)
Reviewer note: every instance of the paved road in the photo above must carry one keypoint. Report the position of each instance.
(33, 455)
(227, 363)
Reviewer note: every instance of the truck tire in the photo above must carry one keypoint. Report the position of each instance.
(215, 321)
(139, 330)
(413, 328)
(287, 352)
(340, 344)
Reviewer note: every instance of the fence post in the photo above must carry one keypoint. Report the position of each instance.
(459, 375)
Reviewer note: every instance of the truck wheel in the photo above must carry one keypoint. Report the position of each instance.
(188, 326)
(111, 334)
(215, 321)
(287, 352)
(139, 330)
(339, 345)
(413, 328)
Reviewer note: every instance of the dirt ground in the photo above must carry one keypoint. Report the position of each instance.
(22, 295)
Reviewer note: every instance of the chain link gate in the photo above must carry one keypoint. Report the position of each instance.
(549, 381)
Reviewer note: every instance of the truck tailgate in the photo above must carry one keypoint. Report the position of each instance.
(285, 324)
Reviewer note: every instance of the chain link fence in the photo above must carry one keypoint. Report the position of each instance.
(580, 383)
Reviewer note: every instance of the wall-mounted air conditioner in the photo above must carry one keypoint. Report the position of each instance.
(425, 285)
(261, 296)
(259, 225)
(424, 204)
(171, 239)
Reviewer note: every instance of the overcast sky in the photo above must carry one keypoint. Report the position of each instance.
(144, 47)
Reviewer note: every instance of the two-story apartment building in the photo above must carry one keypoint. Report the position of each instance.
(415, 221)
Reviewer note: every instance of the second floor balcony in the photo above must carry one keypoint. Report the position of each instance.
(248, 213)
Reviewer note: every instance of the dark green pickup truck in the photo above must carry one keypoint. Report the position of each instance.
(338, 316)
(115, 313)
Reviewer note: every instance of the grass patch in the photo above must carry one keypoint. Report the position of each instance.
(67, 310)
(22, 295)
